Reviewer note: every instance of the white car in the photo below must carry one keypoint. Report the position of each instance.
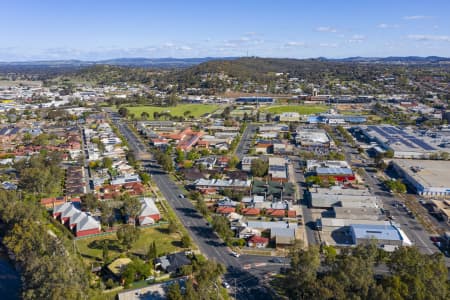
(226, 284)
(181, 196)
(235, 254)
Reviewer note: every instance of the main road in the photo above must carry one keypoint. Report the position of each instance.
(245, 274)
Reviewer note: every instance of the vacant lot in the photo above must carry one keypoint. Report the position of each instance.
(91, 248)
(195, 110)
(301, 109)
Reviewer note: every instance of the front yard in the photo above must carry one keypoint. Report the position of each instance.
(92, 248)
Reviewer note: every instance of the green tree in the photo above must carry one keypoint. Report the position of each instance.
(259, 167)
(89, 201)
(127, 236)
(107, 162)
(233, 162)
(172, 228)
(105, 251)
(221, 225)
(131, 205)
(152, 252)
(123, 112)
(186, 241)
(201, 206)
(174, 292)
(145, 177)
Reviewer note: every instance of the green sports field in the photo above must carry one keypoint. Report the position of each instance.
(301, 109)
(195, 110)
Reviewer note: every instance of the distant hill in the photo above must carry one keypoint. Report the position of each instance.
(130, 62)
(395, 59)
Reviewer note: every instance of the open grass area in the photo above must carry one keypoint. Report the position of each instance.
(301, 109)
(195, 110)
(91, 248)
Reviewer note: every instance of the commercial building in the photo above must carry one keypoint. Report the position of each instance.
(357, 213)
(278, 171)
(348, 198)
(429, 178)
(405, 143)
(383, 235)
(289, 117)
(254, 100)
(312, 138)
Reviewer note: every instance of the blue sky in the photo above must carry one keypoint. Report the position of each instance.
(100, 29)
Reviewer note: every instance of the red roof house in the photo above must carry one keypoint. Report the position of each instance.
(257, 242)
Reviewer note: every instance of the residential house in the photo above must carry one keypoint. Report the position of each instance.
(257, 242)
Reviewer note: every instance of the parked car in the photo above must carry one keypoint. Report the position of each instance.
(225, 284)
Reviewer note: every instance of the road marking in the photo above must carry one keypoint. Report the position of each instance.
(247, 267)
(260, 264)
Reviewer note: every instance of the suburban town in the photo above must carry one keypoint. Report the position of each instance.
(214, 165)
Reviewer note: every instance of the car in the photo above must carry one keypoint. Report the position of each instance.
(277, 260)
(434, 239)
(181, 196)
(225, 284)
(235, 254)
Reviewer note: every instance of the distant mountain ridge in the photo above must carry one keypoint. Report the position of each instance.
(170, 62)
(395, 59)
(167, 62)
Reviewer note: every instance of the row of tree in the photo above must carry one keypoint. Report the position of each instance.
(48, 269)
(365, 272)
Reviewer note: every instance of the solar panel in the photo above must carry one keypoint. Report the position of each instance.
(408, 144)
(422, 144)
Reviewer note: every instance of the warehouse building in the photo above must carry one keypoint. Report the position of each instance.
(405, 143)
(386, 236)
(312, 138)
(429, 178)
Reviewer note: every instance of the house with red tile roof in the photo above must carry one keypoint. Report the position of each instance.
(276, 213)
(225, 210)
(251, 211)
(258, 242)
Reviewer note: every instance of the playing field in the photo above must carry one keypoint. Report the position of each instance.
(195, 110)
(301, 109)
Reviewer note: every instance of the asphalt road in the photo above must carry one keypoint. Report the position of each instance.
(245, 274)
(244, 143)
(308, 219)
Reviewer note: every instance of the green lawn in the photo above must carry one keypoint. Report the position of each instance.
(301, 109)
(196, 109)
(91, 248)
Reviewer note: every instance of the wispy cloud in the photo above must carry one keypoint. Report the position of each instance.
(328, 45)
(418, 17)
(294, 44)
(357, 38)
(426, 37)
(387, 26)
(326, 29)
